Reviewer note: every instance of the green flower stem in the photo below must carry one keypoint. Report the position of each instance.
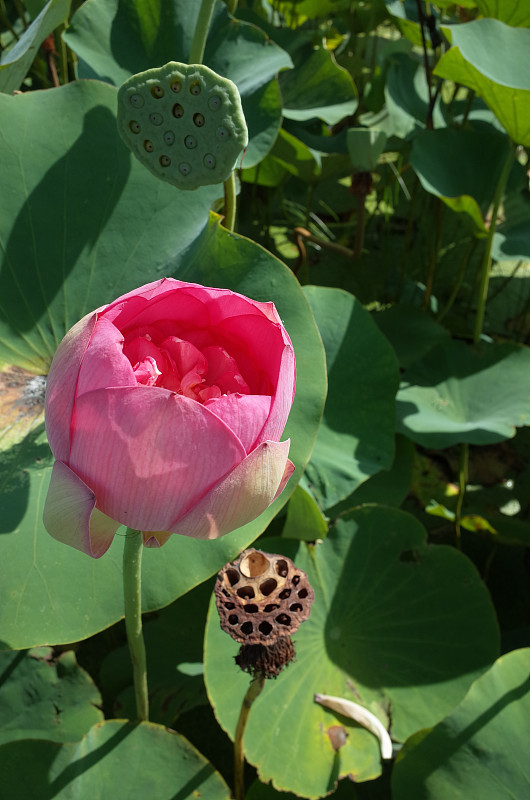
(201, 31)
(253, 691)
(230, 202)
(486, 260)
(132, 597)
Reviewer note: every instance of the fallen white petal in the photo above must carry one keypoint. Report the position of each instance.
(361, 715)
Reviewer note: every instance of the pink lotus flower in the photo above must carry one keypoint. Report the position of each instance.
(164, 412)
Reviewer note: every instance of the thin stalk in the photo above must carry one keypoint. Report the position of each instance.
(201, 31)
(132, 598)
(63, 55)
(485, 267)
(459, 279)
(434, 254)
(463, 471)
(232, 6)
(421, 18)
(359, 228)
(337, 248)
(253, 691)
(230, 202)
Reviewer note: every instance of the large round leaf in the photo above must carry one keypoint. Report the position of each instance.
(481, 748)
(458, 393)
(386, 630)
(503, 81)
(67, 253)
(356, 438)
(115, 759)
(116, 38)
(44, 699)
(450, 164)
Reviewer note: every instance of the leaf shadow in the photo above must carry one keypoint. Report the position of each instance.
(61, 222)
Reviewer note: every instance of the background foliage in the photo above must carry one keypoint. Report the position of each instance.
(384, 207)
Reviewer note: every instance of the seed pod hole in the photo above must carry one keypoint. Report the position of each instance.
(184, 168)
(233, 576)
(270, 607)
(198, 119)
(268, 586)
(190, 142)
(246, 592)
(157, 92)
(283, 619)
(265, 628)
(281, 568)
(214, 102)
(195, 88)
(284, 594)
(165, 161)
(251, 608)
(177, 111)
(135, 126)
(148, 146)
(230, 606)
(233, 619)
(302, 594)
(296, 607)
(155, 118)
(136, 100)
(254, 564)
(247, 628)
(296, 579)
(169, 137)
(175, 85)
(222, 133)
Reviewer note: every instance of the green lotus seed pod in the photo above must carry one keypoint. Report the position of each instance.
(192, 126)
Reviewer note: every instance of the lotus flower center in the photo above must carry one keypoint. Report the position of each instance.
(181, 367)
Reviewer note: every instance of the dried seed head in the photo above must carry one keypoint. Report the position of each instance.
(262, 597)
(266, 661)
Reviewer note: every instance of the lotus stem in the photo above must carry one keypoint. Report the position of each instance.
(255, 688)
(132, 597)
(486, 260)
(230, 202)
(201, 31)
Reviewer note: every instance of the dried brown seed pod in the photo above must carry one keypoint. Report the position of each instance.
(262, 597)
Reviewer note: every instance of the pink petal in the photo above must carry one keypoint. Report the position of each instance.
(241, 496)
(282, 400)
(62, 383)
(244, 414)
(154, 302)
(70, 515)
(104, 363)
(149, 454)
